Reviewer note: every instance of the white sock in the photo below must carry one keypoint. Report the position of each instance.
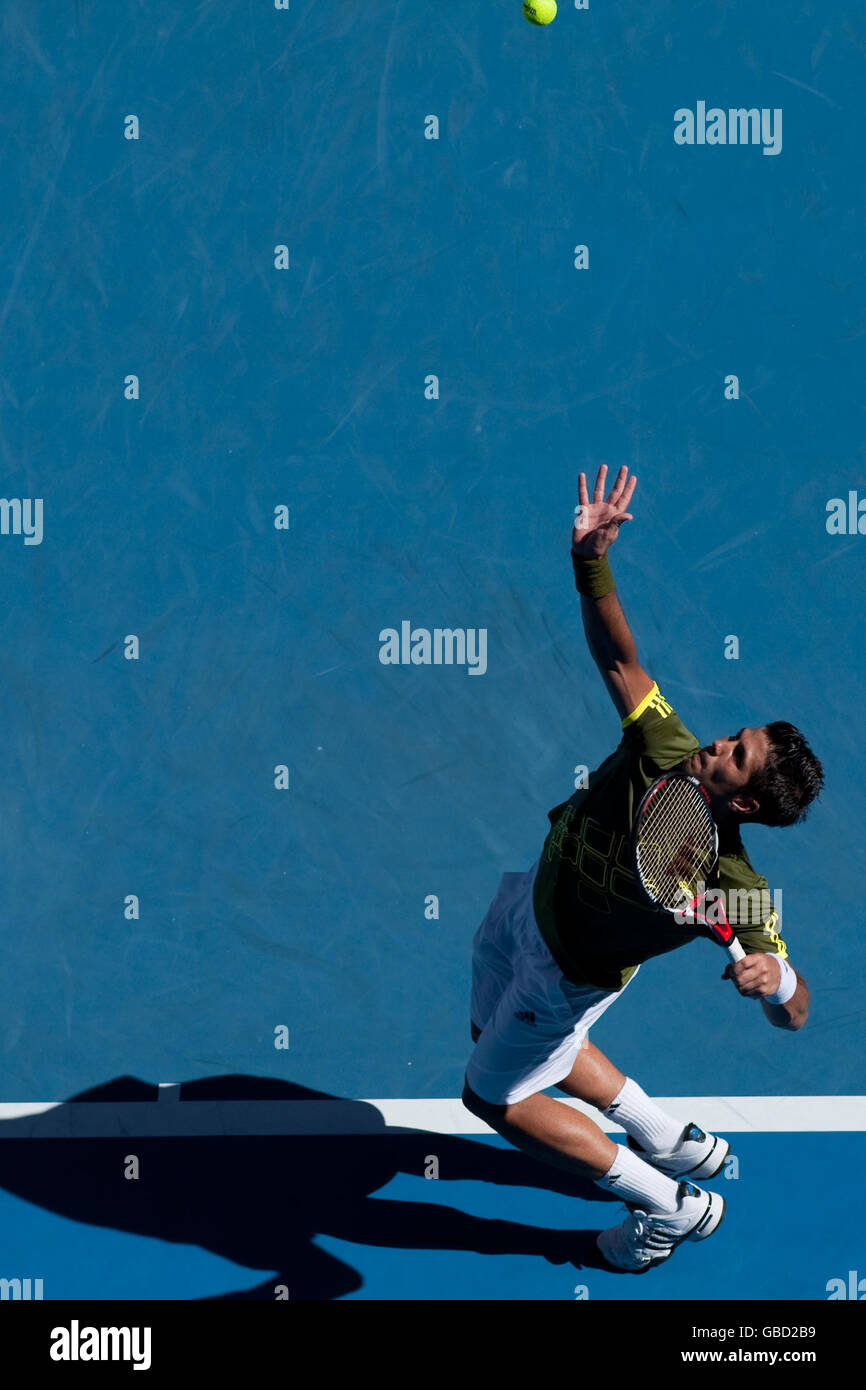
(636, 1181)
(640, 1117)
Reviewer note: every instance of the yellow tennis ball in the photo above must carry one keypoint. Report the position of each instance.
(539, 11)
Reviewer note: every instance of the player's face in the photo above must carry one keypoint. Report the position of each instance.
(727, 765)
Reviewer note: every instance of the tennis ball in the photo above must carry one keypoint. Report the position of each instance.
(539, 11)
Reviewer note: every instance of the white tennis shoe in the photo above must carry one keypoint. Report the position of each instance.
(697, 1156)
(645, 1239)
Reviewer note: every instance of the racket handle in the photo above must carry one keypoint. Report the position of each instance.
(735, 950)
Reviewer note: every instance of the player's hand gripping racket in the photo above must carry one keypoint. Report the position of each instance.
(676, 854)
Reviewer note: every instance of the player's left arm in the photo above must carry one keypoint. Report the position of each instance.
(607, 632)
(760, 974)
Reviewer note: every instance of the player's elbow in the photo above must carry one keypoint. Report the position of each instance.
(779, 1017)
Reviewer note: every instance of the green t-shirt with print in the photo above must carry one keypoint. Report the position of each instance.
(588, 905)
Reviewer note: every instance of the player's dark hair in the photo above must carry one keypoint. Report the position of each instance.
(790, 779)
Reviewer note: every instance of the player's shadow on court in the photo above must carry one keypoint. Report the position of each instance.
(253, 1169)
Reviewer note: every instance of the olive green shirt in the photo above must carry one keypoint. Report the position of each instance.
(589, 908)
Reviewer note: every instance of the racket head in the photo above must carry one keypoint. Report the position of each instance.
(675, 841)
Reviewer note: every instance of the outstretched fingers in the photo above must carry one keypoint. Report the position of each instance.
(619, 496)
(629, 491)
(623, 489)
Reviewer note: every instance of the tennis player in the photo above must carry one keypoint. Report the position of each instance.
(560, 943)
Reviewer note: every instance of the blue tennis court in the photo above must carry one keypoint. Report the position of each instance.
(287, 364)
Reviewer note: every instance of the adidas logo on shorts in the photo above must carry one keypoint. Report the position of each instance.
(526, 1016)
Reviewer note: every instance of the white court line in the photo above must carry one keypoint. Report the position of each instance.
(171, 1115)
(729, 1114)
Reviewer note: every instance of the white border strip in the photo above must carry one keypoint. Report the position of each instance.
(729, 1114)
(172, 1116)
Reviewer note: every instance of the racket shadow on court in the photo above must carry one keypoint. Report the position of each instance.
(253, 1169)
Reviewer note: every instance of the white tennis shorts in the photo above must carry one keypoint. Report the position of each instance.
(532, 1019)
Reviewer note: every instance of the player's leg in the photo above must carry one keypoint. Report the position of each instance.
(549, 1131)
(593, 1077)
(670, 1211)
(531, 1024)
(530, 1043)
(563, 1137)
(663, 1211)
(677, 1149)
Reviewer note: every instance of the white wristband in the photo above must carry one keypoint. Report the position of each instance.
(787, 984)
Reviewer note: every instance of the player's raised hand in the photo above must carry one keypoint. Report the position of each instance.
(597, 522)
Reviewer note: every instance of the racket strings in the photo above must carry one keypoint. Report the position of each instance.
(676, 844)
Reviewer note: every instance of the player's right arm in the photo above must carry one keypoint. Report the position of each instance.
(793, 1014)
(607, 633)
(761, 971)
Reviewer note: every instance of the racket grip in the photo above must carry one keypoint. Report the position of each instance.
(735, 950)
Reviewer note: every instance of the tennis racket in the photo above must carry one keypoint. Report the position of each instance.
(675, 847)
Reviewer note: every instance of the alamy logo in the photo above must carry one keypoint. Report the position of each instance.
(853, 1287)
(76, 1343)
(20, 1288)
(737, 126)
(745, 907)
(22, 515)
(847, 519)
(441, 646)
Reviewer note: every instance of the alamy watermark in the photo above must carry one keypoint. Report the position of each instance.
(852, 1288)
(756, 907)
(77, 1343)
(736, 126)
(23, 1289)
(846, 516)
(439, 646)
(22, 516)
